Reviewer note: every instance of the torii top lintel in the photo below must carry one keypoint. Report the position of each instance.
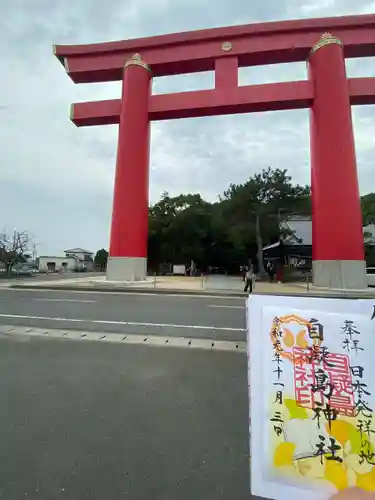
(195, 51)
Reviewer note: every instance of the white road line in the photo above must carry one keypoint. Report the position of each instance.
(66, 300)
(125, 294)
(128, 323)
(225, 307)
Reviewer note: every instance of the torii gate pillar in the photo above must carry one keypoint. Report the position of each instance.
(127, 259)
(338, 249)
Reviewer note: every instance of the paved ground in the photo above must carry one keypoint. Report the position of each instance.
(98, 280)
(39, 277)
(200, 317)
(85, 420)
(62, 276)
(219, 282)
(214, 285)
(106, 418)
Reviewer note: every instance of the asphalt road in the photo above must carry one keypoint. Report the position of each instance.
(217, 318)
(105, 421)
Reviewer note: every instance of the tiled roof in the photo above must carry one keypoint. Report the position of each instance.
(301, 228)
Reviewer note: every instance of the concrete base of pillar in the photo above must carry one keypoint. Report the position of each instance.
(342, 274)
(127, 269)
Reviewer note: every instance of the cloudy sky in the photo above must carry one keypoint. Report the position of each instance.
(57, 180)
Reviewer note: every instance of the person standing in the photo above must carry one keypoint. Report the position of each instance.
(279, 272)
(270, 270)
(249, 280)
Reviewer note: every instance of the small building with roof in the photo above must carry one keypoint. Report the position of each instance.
(75, 260)
(294, 247)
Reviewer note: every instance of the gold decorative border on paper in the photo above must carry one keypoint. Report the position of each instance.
(136, 60)
(325, 39)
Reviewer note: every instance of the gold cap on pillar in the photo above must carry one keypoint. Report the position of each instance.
(325, 39)
(136, 60)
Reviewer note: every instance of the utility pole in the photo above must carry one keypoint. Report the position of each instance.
(34, 253)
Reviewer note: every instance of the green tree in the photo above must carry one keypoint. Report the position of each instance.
(229, 232)
(257, 207)
(368, 208)
(101, 258)
(180, 230)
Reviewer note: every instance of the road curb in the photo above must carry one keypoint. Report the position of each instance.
(193, 293)
(176, 291)
(191, 343)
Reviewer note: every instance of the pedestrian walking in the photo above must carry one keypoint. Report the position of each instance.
(249, 281)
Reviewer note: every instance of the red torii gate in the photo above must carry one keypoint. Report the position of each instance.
(338, 247)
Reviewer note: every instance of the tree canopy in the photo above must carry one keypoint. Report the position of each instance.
(14, 248)
(229, 232)
(101, 258)
(232, 231)
(368, 208)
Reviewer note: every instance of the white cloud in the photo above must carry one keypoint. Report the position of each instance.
(368, 8)
(57, 180)
(315, 7)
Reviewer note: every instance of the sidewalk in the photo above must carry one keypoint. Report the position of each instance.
(309, 290)
(169, 282)
(213, 285)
